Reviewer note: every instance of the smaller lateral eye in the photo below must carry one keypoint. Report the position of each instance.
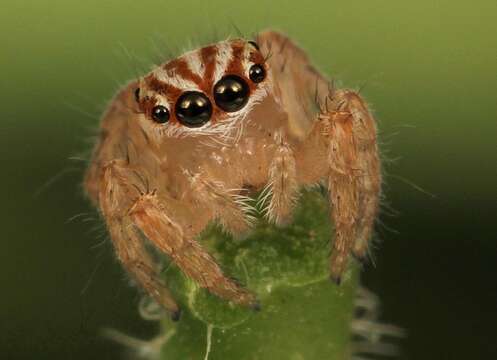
(257, 73)
(160, 114)
(254, 44)
(137, 94)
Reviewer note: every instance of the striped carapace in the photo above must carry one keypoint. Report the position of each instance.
(196, 74)
(196, 138)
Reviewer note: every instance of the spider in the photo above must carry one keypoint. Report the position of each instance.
(193, 140)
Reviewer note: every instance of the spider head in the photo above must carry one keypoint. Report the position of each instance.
(206, 91)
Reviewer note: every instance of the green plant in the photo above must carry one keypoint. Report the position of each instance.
(303, 315)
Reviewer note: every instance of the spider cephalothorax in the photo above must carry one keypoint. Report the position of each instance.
(189, 142)
(205, 92)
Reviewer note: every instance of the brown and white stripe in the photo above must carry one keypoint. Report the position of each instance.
(199, 70)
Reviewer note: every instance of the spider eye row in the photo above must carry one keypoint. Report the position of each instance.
(194, 109)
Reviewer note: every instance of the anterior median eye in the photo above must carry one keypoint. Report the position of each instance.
(160, 114)
(193, 109)
(231, 93)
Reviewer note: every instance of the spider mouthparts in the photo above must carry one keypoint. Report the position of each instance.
(175, 315)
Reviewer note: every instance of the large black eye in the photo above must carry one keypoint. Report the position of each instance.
(231, 93)
(257, 73)
(160, 114)
(193, 109)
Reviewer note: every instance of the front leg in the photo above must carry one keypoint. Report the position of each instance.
(155, 221)
(129, 211)
(282, 187)
(343, 138)
(354, 175)
(116, 194)
(227, 206)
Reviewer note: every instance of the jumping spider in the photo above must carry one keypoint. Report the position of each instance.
(191, 141)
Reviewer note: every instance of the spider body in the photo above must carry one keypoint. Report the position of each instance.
(194, 139)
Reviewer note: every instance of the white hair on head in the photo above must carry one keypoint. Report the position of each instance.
(228, 130)
(174, 79)
(223, 58)
(195, 63)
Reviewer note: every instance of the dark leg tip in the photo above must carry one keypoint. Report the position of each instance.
(256, 306)
(176, 315)
(361, 258)
(337, 279)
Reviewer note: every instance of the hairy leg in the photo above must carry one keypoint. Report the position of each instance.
(341, 147)
(116, 194)
(343, 136)
(129, 210)
(282, 187)
(153, 220)
(299, 85)
(354, 178)
(369, 169)
(227, 205)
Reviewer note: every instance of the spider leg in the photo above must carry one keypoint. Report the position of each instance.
(343, 137)
(370, 172)
(354, 177)
(159, 227)
(283, 186)
(228, 206)
(115, 194)
(130, 211)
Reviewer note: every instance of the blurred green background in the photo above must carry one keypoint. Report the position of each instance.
(430, 72)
